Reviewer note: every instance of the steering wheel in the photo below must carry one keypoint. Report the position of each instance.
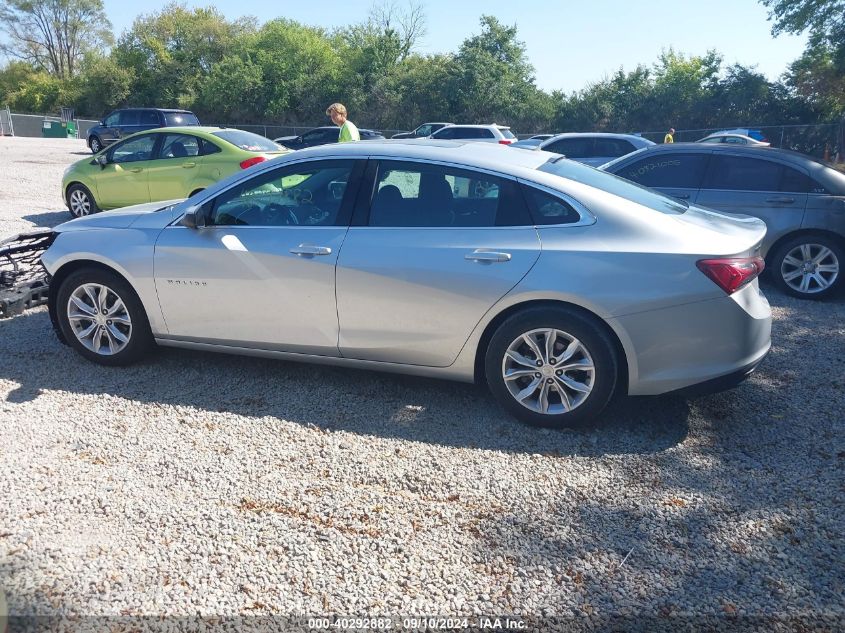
(275, 214)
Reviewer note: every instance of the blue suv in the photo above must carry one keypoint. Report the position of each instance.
(126, 121)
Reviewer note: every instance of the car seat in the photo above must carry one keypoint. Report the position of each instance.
(435, 200)
(177, 149)
(388, 208)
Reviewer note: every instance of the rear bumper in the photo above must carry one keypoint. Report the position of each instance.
(714, 342)
(722, 383)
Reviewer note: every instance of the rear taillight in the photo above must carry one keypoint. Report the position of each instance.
(505, 141)
(249, 162)
(733, 273)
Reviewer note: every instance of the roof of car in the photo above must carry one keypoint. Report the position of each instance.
(483, 155)
(481, 125)
(601, 135)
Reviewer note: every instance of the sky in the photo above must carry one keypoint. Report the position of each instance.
(570, 44)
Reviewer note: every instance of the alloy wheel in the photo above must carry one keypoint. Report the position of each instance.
(810, 268)
(80, 203)
(96, 146)
(99, 319)
(548, 371)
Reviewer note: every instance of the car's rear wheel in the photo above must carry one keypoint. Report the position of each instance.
(809, 266)
(80, 202)
(95, 144)
(102, 317)
(552, 367)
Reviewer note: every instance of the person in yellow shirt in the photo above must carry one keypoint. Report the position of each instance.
(348, 131)
(670, 136)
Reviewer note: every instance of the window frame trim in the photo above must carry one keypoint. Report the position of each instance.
(587, 218)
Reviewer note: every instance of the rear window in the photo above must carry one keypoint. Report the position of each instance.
(506, 132)
(614, 185)
(181, 118)
(248, 141)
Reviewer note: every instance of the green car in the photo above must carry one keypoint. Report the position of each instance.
(161, 164)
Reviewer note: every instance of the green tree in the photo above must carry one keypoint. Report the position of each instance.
(53, 35)
(824, 19)
(104, 85)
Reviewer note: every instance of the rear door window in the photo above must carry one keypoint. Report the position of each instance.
(738, 173)
(682, 171)
(149, 117)
(445, 133)
(612, 147)
(179, 146)
(129, 117)
(572, 147)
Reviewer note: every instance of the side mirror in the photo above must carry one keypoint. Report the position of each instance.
(102, 161)
(193, 218)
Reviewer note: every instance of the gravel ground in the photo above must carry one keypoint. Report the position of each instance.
(207, 484)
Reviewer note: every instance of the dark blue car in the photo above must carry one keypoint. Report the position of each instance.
(126, 121)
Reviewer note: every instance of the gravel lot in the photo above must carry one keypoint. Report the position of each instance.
(207, 484)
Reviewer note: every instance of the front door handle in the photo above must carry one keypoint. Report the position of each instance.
(479, 255)
(310, 250)
(136, 170)
(188, 165)
(684, 196)
(781, 199)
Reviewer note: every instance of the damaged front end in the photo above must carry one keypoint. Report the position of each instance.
(24, 283)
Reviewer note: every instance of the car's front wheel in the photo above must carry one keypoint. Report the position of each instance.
(809, 266)
(102, 317)
(80, 202)
(95, 144)
(552, 367)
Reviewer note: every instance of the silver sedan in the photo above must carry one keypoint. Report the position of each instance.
(557, 285)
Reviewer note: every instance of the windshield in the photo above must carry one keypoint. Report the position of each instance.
(613, 184)
(181, 118)
(248, 141)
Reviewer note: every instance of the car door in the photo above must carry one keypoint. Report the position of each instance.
(677, 174)
(751, 185)
(124, 179)
(429, 253)
(149, 119)
(110, 131)
(261, 272)
(128, 123)
(176, 166)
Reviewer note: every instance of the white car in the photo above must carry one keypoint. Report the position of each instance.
(488, 133)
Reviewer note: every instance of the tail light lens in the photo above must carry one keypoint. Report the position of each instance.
(731, 274)
(505, 141)
(249, 162)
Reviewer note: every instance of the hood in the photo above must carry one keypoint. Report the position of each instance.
(118, 218)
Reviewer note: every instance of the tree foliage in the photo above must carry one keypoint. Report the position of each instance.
(53, 35)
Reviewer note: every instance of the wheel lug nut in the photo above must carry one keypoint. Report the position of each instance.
(539, 363)
(537, 375)
(550, 381)
(559, 373)
(552, 361)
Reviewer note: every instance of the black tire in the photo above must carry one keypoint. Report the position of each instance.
(95, 144)
(790, 257)
(139, 336)
(80, 202)
(594, 341)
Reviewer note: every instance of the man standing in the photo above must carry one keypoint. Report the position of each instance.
(670, 136)
(348, 131)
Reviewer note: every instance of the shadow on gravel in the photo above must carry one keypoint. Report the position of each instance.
(48, 218)
(328, 398)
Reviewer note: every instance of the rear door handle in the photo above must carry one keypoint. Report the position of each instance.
(310, 250)
(479, 255)
(188, 165)
(684, 196)
(781, 199)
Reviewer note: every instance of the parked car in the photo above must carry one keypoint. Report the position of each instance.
(426, 129)
(161, 164)
(589, 286)
(322, 136)
(122, 123)
(540, 137)
(802, 201)
(733, 139)
(594, 148)
(757, 135)
(487, 133)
